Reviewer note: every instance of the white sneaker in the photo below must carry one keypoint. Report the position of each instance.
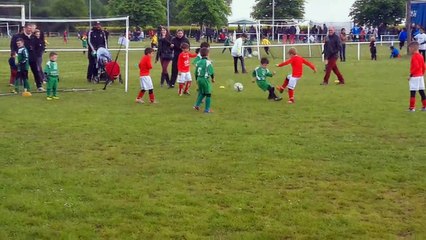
(40, 89)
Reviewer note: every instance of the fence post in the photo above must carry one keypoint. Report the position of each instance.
(359, 51)
(322, 51)
(283, 52)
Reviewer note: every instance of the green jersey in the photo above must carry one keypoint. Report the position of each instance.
(227, 42)
(51, 69)
(23, 59)
(204, 69)
(196, 60)
(261, 74)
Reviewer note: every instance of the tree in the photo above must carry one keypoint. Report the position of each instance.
(204, 12)
(375, 12)
(284, 9)
(141, 12)
(68, 8)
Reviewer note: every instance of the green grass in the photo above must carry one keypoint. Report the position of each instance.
(342, 163)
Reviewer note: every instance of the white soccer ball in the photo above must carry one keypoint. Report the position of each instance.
(238, 87)
(255, 53)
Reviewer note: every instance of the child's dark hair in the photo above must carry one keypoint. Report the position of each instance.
(204, 52)
(51, 54)
(264, 61)
(204, 45)
(391, 47)
(184, 45)
(148, 50)
(19, 40)
(13, 53)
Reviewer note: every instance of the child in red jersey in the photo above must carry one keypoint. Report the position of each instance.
(416, 79)
(145, 65)
(184, 75)
(296, 62)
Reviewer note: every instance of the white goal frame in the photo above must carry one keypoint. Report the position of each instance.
(22, 7)
(126, 85)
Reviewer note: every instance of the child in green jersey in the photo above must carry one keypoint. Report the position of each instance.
(260, 74)
(23, 66)
(203, 72)
(52, 76)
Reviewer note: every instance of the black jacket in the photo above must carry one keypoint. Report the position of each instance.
(176, 48)
(96, 39)
(27, 41)
(332, 46)
(37, 47)
(164, 50)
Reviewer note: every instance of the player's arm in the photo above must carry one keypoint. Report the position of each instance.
(310, 65)
(284, 63)
(193, 55)
(211, 72)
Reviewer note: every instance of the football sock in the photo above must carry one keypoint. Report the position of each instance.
(412, 102)
(285, 84)
(151, 97)
(199, 99)
(291, 94)
(187, 86)
(271, 93)
(141, 93)
(208, 102)
(180, 88)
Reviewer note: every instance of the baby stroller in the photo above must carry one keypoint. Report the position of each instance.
(108, 70)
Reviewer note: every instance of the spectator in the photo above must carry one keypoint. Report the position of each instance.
(237, 53)
(421, 39)
(331, 49)
(36, 53)
(343, 41)
(96, 39)
(402, 37)
(165, 55)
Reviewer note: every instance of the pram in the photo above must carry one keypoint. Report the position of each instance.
(108, 70)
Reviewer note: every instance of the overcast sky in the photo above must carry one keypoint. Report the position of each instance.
(315, 10)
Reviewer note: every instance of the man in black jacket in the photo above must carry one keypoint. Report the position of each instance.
(27, 36)
(176, 42)
(332, 47)
(96, 39)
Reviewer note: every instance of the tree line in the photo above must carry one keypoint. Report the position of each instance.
(203, 12)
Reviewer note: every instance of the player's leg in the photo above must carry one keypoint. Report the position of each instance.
(201, 91)
(188, 83)
(25, 79)
(338, 74)
(18, 81)
(181, 82)
(422, 93)
(235, 64)
(291, 86)
(174, 73)
(328, 68)
(141, 92)
(55, 88)
(285, 84)
(243, 67)
(151, 95)
(49, 88)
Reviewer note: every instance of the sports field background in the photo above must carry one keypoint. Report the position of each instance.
(344, 162)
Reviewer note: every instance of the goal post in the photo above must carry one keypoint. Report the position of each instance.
(126, 46)
(22, 7)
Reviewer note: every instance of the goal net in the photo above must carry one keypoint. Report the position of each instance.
(68, 37)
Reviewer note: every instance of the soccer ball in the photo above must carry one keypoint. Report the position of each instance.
(238, 87)
(255, 53)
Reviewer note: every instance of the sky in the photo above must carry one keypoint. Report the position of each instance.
(315, 10)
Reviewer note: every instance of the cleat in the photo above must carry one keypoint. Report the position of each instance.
(423, 109)
(180, 94)
(208, 111)
(55, 97)
(324, 83)
(153, 102)
(187, 93)
(138, 100)
(40, 89)
(291, 101)
(49, 98)
(278, 99)
(411, 109)
(197, 108)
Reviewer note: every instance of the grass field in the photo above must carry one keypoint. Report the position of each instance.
(344, 162)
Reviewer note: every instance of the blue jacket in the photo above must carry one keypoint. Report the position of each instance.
(402, 36)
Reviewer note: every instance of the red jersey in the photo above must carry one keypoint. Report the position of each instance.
(417, 68)
(297, 65)
(145, 65)
(183, 61)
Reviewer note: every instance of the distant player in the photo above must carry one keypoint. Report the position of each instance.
(184, 73)
(145, 66)
(265, 42)
(198, 58)
(203, 72)
(227, 43)
(52, 75)
(416, 79)
(84, 43)
(394, 52)
(238, 54)
(260, 74)
(290, 82)
(23, 66)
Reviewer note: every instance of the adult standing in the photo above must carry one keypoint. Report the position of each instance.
(332, 47)
(38, 46)
(237, 53)
(27, 36)
(176, 42)
(96, 39)
(402, 37)
(165, 55)
(421, 39)
(343, 39)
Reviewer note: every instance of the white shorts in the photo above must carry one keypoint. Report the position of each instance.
(292, 82)
(146, 83)
(184, 77)
(417, 83)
